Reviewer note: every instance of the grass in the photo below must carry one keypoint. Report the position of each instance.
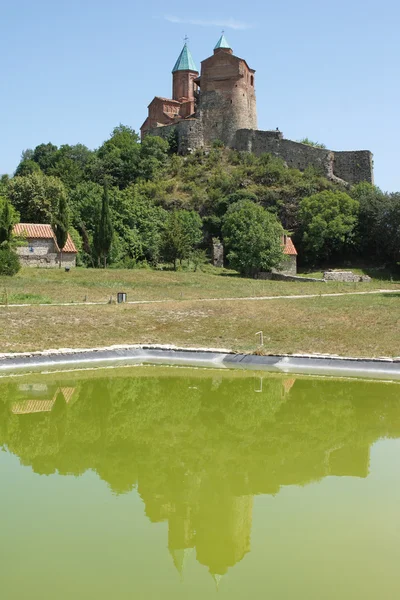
(54, 285)
(346, 325)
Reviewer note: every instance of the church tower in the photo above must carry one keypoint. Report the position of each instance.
(227, 95)
(184, 90)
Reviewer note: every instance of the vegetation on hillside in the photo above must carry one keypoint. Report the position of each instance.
(167, 208)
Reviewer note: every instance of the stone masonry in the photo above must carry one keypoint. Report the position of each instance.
(220, 104)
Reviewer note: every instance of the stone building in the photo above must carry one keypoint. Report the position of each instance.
(290, 263)
(219, 103)
(41, 249)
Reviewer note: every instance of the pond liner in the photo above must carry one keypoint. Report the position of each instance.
(383, 368)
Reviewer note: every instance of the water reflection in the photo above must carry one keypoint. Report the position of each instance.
(198, 448)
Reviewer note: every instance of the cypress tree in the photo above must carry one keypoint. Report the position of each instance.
(6, 223)
(61, 224)
(104, 231)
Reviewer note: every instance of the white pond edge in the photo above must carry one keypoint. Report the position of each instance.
(385, 368)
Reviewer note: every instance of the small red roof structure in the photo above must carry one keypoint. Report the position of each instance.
(41, 231)
(288, 246)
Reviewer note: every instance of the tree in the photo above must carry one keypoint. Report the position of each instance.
(72, 164)
(6, 221)
(26, 167)
(104, 231)
(388, 228)
(140, 223)
(183, 232)
(373, 206)
(45, 155)
(118, 158)
(153, 156)
(61, 224)
(36, 196)
(253, 238)
(327, 224)
(9, 261)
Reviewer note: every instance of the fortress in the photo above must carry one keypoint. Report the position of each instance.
(220, 104)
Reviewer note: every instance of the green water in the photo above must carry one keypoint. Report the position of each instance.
(176, 484)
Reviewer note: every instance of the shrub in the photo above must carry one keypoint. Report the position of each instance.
(9, 261)
(327, 224)
(253, 238)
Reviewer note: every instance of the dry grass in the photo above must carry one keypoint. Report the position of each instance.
(352, 325)
(36, 286)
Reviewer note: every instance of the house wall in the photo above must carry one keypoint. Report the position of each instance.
(289, 266)
(43, 253)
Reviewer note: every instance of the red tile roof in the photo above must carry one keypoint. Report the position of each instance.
(289, 246)
(40, 231)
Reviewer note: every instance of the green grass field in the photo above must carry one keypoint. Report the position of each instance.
(45, 286)
(366, 325)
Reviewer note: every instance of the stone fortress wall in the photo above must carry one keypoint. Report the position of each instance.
(350, 166)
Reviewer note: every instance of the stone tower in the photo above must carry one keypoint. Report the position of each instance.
(227, 95)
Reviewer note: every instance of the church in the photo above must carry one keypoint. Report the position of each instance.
(219, 103)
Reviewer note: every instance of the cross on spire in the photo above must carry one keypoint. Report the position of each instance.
(186, 39)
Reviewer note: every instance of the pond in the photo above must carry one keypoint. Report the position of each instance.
(178, 483)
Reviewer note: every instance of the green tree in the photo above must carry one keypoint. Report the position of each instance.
(104, 231)
(72, 164)
(183, 232)
(153, 157)
(118, 158)
(373, 206)
(36, 196)
(253, 238)
(140, 223)
(44, 155)
(388, 228)
(27, 167)
(327, 224)
(61, 224)
(9, 261)
(7, 220)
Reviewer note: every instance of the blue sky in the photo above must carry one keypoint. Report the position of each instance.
(71, 71)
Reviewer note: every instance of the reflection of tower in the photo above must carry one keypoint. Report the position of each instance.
(288, 384)
(223, 530)
(180, 536)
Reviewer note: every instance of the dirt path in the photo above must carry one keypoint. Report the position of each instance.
(230, 299)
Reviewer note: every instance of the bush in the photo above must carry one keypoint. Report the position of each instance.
(9, 262)
(327, 225)
(252, 236)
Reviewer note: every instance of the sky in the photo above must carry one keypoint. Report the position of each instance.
(73, 70)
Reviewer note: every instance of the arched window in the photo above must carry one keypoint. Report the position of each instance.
(252, 80)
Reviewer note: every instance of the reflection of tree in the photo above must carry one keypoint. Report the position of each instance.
(198, 449)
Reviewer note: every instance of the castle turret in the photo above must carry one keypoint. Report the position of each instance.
(222, 45)
(183, 87)
(227, 95)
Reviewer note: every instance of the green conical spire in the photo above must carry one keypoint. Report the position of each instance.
(222, 43)
(185, 61)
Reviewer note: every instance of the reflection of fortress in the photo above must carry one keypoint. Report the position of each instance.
(198, 449)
